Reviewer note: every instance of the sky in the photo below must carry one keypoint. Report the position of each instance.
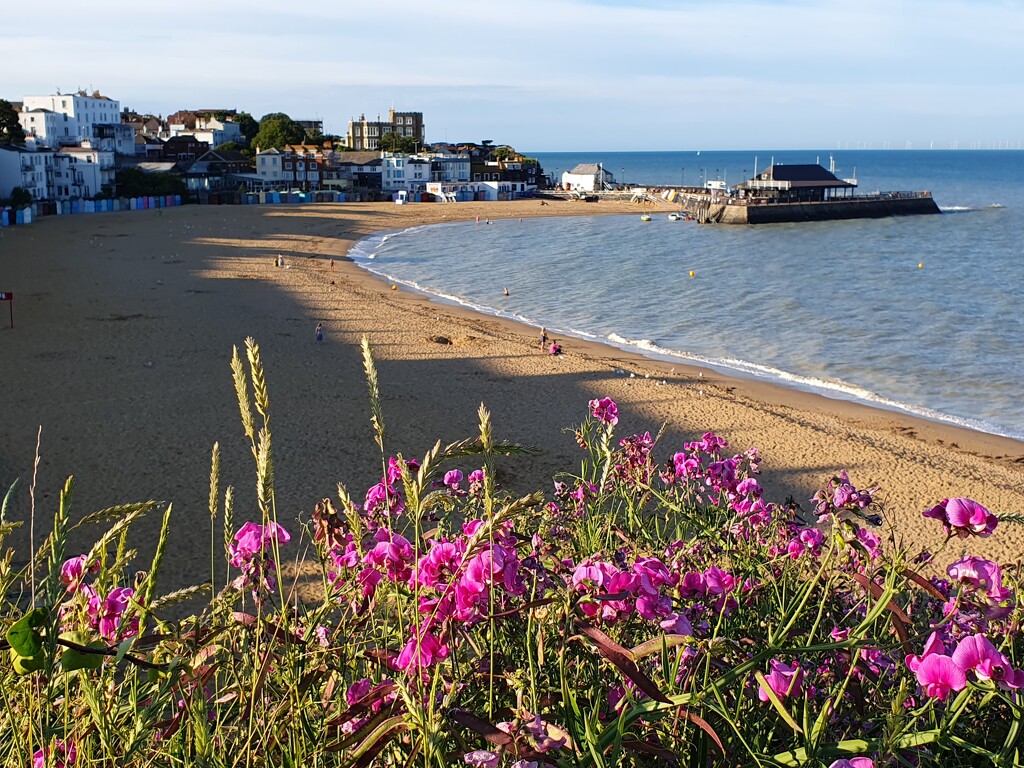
(556, 75)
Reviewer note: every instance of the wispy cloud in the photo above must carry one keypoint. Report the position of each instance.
(554, 74)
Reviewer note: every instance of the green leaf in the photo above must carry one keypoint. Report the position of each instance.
(24, 635)
(777, 703)
(73, 658)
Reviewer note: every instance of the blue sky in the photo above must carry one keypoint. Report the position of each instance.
(557, 75)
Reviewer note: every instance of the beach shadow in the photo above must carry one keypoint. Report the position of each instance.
(132, 406)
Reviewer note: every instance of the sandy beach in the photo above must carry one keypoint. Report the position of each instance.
(124, 325)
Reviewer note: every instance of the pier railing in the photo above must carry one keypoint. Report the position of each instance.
(878, 196)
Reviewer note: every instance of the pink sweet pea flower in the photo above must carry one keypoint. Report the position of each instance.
(976, 653)
(605, 410)
(981, 574)
(111, 612)
(65, 755)
(482, 758)
(421, 652)
(74, 570)
(854, 762)
(939, 675)
(963, 517)
(784, 680)
(932, 645)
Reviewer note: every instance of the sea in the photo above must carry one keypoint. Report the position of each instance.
(919, 314)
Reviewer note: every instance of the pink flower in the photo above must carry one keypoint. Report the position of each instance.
(453, 477)
(74, 571)
(784, 680)
(248, 555)
(605, 410)
(981, 574)
(482, 758)
(421, 652)
(938, 675)
(932, 645)
(545, 736)
(393, 553)
(110, 614)
(677, 624)
(65, 755)
(963, 517)
(976, 653)
(854, 762)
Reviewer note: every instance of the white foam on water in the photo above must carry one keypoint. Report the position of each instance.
(829, 388)
(366, 254)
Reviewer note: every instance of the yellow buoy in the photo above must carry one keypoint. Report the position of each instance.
(394, 287)
(921, 265)
(692, 273)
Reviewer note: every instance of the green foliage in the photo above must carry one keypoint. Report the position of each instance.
(536, 657)
(11, 131)
(393, 142)
(276, 131)
(132, 182)
(20, 197)
(248, 125)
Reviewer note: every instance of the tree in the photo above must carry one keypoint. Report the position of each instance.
(392, 142)
(248, 125)
(20, 197)
(278, 130)
(132, 182)
(10, 129)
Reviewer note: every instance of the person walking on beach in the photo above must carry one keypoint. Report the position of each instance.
(319, 333)
(543, 338)
(332, 265)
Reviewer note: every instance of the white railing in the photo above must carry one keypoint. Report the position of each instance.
(769, 184)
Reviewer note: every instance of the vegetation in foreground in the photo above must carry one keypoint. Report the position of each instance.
(645, 612)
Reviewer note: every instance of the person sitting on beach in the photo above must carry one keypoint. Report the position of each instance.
(555, 349)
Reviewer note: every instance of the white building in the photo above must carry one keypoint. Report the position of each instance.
(85, 113)
(587, 177)
(448, 168)
(269, 167)
(405, 172)
(28, 168)
(48, 127)
(216, 132)
(82, 172)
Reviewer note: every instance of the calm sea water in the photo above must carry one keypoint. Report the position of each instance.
(842, 308)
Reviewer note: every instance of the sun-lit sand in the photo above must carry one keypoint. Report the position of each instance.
(124, 328)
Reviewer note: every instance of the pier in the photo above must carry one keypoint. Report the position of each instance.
(717, 209)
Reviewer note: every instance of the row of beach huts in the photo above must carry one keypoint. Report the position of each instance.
(10, 217)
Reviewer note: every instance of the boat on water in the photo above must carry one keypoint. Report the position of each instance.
(674, 217)
(645, 217)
